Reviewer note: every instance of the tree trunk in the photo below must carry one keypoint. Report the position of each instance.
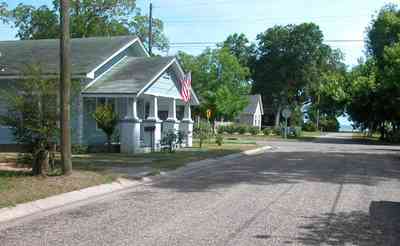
(109, 144)
(370, 130)
(41, 163)
(317, 120)
(65, 84)
(382, 131)
(278, 117)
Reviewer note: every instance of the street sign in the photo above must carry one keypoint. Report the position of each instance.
(286, 113)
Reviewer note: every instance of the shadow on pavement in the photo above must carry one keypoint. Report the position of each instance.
(288, 168)
(335, 140)
(380, 227)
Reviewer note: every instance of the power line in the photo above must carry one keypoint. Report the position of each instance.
(197, 4)
(213, 20)
(201, 43)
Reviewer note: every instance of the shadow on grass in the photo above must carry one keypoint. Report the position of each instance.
(10, 174)
(157, 160)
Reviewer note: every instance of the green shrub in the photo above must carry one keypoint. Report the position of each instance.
(230, 129)
(170, 140)
(180, 137)
(241, 129)
(267, 131)
(254, 130)
(330, 125)
(309, 127)
(276, 131)
(24, 159)
(79, 149)
(221, 129)
(203, 131)
(107, 120)
(219, 140)
(297, 131)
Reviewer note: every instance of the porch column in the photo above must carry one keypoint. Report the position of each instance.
(187, 125)
(130, 129)
(152, 125)
(172, 123)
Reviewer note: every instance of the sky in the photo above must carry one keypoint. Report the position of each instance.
(213, 21)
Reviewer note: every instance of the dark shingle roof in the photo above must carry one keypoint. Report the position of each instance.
(253, 102)
(130, 75)
(86, 53)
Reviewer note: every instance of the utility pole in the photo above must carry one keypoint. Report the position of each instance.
(150, 28)
(65, 84)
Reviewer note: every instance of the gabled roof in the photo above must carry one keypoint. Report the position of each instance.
(86, 54)
(254, 100)
(130, 75)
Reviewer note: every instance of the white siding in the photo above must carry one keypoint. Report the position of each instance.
(257, 116)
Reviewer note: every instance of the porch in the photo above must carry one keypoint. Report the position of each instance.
(144, 121)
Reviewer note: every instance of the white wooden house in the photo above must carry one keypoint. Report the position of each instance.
(144, 90)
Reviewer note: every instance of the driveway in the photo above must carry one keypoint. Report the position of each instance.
(299, 193)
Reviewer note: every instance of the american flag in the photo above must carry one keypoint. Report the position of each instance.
(186, 84)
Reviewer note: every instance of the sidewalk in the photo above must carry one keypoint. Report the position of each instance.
(56, 202)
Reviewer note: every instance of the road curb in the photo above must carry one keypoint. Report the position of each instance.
(57, 201)
(62, 200)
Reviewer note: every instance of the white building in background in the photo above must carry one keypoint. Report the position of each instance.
(252, 114)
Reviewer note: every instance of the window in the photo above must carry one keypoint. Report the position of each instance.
(146, 110)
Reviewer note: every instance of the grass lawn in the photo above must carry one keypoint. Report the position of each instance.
(160, 161)
(18, 186)
(361, 136)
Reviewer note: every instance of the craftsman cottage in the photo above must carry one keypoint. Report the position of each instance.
(144, 90)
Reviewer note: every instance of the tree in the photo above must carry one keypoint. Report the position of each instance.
(375, 87)
(65, 88)
(35, 23)
(33, 116)
(4, 13)
(241, 48)
(107, 120)
(288, 59)
(88, 19)
(220, 81)
(326, 94)
(363, 96)
(383, 32)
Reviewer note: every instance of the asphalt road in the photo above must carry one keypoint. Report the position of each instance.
(298, 193)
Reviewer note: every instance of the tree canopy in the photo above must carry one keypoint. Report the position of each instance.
(241, 48)
(290, 66)
(220, 80)
(88, 19)
(374, 92)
